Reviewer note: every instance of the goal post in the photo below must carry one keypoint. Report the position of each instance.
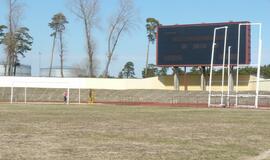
(258, 63)
(212, 62)
(23, 91)
(237, 93)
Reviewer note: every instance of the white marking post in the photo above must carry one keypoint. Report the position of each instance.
(229, 73)
(212, 59)
(223, 66)
(258, 64)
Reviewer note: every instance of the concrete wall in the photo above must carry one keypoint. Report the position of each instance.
(84, 83)
(264, 84)
(247, 83)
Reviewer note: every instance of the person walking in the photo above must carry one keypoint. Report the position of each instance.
(65, 96)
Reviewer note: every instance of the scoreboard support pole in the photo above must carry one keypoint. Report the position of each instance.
(176, 78)
(185, 79)
(203, 78)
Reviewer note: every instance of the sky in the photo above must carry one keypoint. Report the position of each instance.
(132, 46)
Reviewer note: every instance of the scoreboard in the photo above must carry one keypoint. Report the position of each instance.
(191, 45)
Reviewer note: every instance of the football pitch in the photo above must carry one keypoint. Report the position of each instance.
(67, 132)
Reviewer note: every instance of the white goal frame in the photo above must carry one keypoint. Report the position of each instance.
(258, 64)
(212, 63)
(237, 95)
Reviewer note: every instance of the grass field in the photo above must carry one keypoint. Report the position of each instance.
(124, 132)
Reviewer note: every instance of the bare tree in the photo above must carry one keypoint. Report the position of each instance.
(82, 69)
(86, 11)
(121, 22)
(15, 10)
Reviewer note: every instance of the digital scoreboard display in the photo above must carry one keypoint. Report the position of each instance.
(191, 45)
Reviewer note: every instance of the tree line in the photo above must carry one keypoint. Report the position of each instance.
(128, 71)
(18, 41)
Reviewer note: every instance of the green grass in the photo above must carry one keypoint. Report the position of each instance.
(123, 132)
